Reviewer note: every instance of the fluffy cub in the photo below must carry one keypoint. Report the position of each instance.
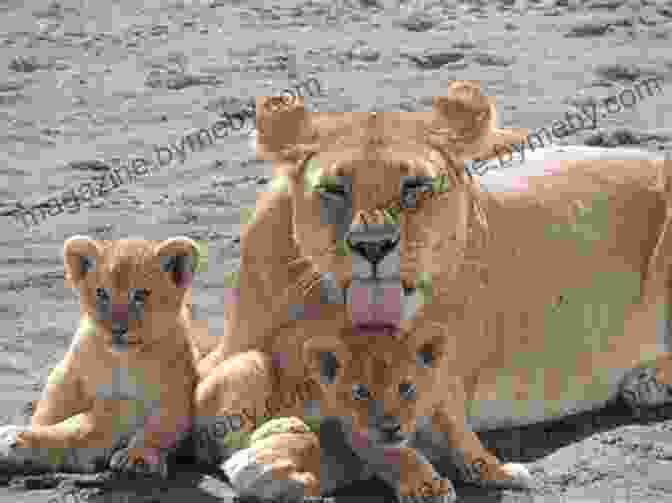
(372, 385)
(122, 393)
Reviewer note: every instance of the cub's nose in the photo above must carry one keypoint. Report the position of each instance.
(119, 329)
(389, 425)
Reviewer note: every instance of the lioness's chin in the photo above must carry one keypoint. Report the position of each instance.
(374, 304)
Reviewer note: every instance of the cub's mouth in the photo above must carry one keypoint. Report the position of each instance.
(120, 340)
(374, 437)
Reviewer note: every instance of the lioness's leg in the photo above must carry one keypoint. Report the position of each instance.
(230, 399)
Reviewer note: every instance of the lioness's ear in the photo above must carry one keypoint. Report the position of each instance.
(467, 120)
(323, 355)
(431, 351)
(80, 254)
(282, 123)
(180, 257)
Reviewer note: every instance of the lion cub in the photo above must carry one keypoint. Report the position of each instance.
(374, 386)
(127, 380)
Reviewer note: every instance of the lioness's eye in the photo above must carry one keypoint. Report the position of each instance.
(407, 391)
(411, 186)
(332, 189)
(359, 392)
(336, 185)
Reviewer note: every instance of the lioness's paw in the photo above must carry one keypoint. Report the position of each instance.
(138, 460)
(435, 491)
(258, 480)
(640, 390)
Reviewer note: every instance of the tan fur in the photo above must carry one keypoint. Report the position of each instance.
(250, 386)
(277, 271)
(162, 358)
(500, 268)
(293, 455)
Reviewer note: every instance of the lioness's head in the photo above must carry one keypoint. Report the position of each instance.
(382, 204)
(132, 291)
(378, 385)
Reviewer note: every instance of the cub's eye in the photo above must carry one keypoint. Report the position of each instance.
(102, 294)
(139, 295)
(407, 391)
(359, 392)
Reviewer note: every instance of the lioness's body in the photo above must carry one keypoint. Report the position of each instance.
(545, 313)
(571, 301)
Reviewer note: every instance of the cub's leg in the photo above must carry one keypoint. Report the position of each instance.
(648, 386)
(62, 396)
(473, 461)
(77, 444)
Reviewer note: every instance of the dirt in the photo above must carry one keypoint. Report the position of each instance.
(81, 81)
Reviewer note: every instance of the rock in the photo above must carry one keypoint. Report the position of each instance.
(24, 64)
(487, 59)
(588, 30)
(605, 4)
(432, 60)
(363, 52)
(418, 22)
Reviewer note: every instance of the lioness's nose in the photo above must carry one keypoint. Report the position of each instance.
(372, 242)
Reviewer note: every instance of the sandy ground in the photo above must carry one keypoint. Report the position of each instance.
(91, 80)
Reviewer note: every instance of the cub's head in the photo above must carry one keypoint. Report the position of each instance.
(378, 385)
(383, 207)
(132, 292)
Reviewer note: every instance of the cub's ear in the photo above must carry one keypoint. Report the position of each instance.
(323, 355)
(180, 257)
(282, 124)
(431, 351)
(80, 254)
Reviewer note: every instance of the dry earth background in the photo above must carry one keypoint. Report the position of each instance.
(90, 80)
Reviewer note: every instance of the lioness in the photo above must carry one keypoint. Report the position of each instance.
(553, 291)
(374, 386)
(124, 388)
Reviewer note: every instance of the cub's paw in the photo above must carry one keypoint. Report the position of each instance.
(508, 475)
(640, 390)
(435, 491)
(145, 461)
